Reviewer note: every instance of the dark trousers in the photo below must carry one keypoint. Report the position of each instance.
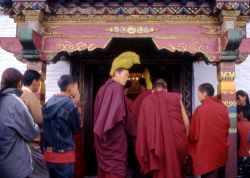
(60, 170)
(243, 167)
(217, 173)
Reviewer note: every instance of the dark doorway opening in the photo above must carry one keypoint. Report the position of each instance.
(92, 69)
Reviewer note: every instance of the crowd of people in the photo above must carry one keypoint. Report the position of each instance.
(38, 141)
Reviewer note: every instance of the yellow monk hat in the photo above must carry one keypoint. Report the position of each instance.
(125, 60)
(148, 79)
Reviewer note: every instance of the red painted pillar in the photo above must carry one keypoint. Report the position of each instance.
(226, 84)
(226, 90)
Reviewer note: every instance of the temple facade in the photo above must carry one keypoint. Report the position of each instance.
(182, 41)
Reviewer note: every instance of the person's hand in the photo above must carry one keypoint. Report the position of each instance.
(77, 98)
(73, 91)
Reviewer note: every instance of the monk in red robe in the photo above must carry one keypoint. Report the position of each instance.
(137, 102)
(128, 100)
(208, 138)
(161, 143)
(135, 108)
(111, 126)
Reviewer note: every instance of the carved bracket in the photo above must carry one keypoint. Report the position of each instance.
(31, 43)
(230, 40)
(229, 44)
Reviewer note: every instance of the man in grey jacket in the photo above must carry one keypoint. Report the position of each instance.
(16, 128)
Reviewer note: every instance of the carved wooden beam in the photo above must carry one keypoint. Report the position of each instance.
(10, 44)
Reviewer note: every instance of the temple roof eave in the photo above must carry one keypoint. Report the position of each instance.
(69, 7)
(8, 3)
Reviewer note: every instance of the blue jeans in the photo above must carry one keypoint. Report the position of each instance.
(60, 170)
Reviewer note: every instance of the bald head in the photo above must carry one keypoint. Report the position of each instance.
(160, 84)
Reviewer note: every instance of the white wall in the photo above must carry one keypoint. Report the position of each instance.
(242, 76)
(7, 26)
(8, 29)
(203, 73)
(248, 30)
(8, 60)
(54, 71)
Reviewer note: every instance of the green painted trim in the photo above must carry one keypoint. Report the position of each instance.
(234, 39)
(229, 56)
(29, 51)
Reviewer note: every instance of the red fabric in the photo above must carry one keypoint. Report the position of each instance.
(243, 129)
(208, 137)
(129, 102)
(54, 157)
(161, 143)
(79, 169)
(103, 174)
(109, 107)
(111, 123)
(135, 108)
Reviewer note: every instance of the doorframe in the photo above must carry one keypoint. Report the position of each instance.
(85, 76)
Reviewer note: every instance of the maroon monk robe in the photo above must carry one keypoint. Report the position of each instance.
(161, 142)
(103, 174)
(135, 108)
(208, 145)
(111, 123)
(137, 103)
(79, 168)
(129, 102)
(79, 165)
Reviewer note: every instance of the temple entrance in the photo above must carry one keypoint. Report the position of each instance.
(92, 68)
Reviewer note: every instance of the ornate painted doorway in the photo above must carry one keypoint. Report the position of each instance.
(92, 69)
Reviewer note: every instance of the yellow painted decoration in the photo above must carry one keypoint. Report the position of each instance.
(193, 48)
(131, 29)
(230, 103)
(42, 87)
(70, 47)
(125, 60)
(226, 75)
(227, 87)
